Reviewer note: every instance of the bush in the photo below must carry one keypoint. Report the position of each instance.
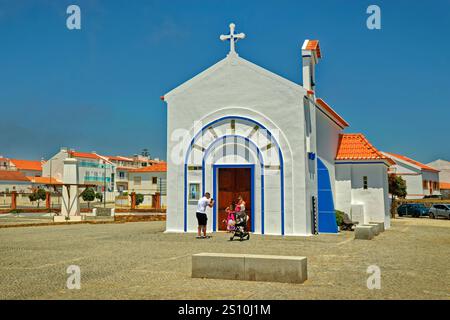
(339, 217)
(139, 199)
(88, 195)
(38, 195)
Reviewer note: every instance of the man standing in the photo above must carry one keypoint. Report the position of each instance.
(202, 218)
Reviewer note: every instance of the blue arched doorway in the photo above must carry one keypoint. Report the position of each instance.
(327, 215)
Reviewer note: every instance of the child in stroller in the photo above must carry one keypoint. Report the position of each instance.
(240, 229)
(231, 218)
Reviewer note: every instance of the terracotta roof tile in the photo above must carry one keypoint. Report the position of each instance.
(355, 146)
(314, 45)
(157, 167)
(414, 162)
(332, 113)
(7, 175)
(27, 164)
(44, 180)
(86, 155)
(444, 185)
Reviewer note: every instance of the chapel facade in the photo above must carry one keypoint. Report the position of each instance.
(239, 129)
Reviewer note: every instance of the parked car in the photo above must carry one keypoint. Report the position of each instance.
(440, 210)
(412, 209)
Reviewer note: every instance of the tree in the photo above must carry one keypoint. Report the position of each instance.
(88, 195)
(139, 199)
(397, 188)
(38, 195)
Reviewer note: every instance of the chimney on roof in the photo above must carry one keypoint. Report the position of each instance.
(310, 57)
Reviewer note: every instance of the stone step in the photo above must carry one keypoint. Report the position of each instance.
(289, 269)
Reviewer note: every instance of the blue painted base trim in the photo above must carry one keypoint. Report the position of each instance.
(327, 215)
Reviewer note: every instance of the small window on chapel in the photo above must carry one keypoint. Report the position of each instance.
(365, 182)
(154, 180)
(194, 191)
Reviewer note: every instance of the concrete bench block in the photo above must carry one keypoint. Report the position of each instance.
(275, 268)
(375, 228)
(380, 225)
(249, 267)
(364, 232)
(218, 266)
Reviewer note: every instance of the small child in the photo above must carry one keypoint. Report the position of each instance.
(231, 219)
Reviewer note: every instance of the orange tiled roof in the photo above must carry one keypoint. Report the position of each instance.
(44, 180)
(355, 146)
(414, 162)
(444, 185)
(86, 155)
(7, 175)
(157, 167)
(314, 45)
(27, 164)
(333, 113)
(119, 158)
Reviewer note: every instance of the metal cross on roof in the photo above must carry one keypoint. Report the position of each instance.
(233, 38)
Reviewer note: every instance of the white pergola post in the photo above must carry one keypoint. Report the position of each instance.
(70, 205)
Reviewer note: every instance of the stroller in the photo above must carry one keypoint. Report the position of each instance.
(241, 227)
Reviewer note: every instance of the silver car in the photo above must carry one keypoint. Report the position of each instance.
(440, 210)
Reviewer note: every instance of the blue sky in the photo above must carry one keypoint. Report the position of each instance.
(99, 88)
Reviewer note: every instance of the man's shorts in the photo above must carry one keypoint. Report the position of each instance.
(202, 219)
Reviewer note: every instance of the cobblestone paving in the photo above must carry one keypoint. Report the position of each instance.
(139, 261)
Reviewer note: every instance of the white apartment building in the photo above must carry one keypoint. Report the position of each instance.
(421, 180)
(93, 169)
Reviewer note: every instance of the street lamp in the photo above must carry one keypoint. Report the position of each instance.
(104, 184)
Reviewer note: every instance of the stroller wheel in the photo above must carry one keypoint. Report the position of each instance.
(248, 236)
(231, 238)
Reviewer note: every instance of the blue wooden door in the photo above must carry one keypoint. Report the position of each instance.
(327, 215)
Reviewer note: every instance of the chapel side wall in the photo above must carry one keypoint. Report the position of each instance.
(327, 145)
(374, 197)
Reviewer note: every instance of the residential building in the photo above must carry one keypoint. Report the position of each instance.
(93, 169)
(32, 168)
(444, 169)
(124, 165)
(149, 181)
(421, 180)
(13, 180)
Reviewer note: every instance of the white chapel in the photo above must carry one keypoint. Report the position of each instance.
(239, 129)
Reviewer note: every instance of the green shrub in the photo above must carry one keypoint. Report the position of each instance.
(339, 217)
(139, 198)
(88, 195)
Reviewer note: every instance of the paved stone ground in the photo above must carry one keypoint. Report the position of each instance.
(139, 261)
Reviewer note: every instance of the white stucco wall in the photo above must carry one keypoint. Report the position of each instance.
(327, 144)
(237, 87)
(349, 190)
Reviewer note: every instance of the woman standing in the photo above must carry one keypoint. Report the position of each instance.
(241, 205)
